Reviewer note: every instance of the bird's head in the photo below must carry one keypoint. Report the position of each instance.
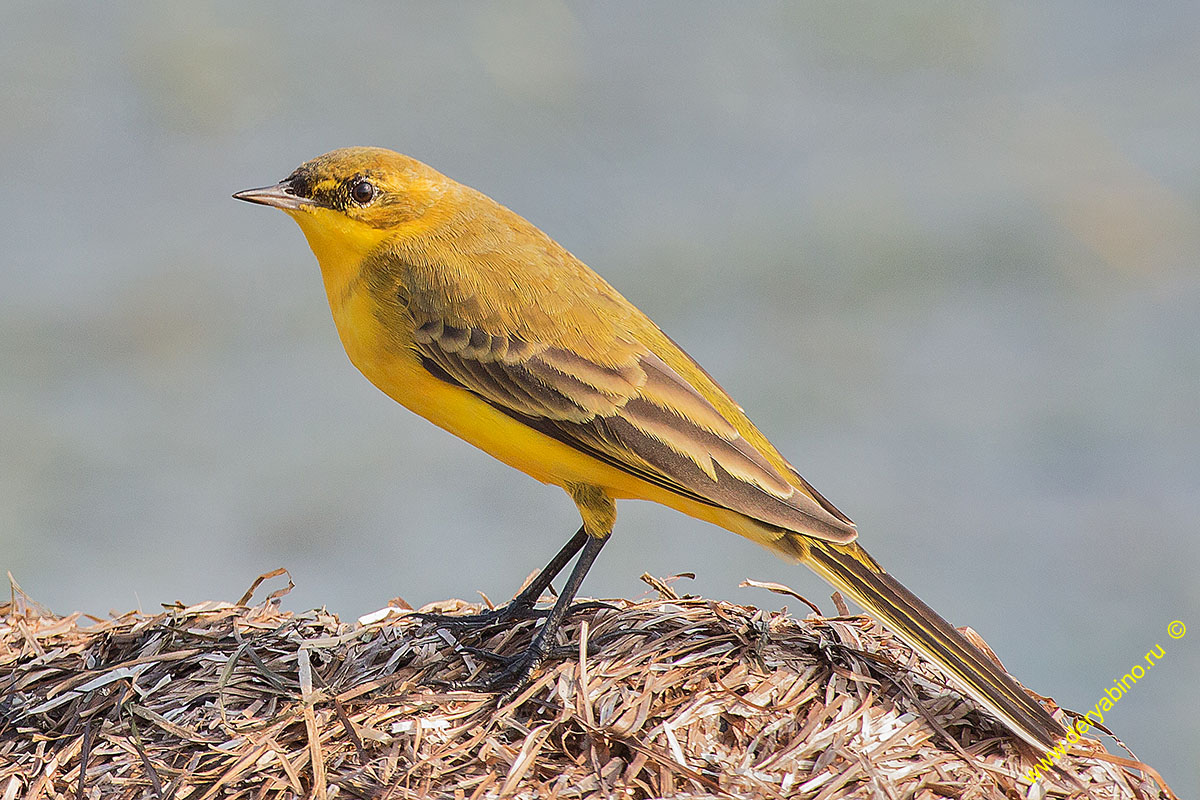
(349, 201)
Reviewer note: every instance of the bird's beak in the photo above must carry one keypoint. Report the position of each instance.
(280, 196)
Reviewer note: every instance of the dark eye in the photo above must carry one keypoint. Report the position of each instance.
(362, 191)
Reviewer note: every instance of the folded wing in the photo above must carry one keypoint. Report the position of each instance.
(638, 415)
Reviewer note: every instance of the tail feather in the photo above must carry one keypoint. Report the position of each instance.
(853, 571)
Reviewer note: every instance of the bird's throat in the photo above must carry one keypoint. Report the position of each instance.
(341, 246)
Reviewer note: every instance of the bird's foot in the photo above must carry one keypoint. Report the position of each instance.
(511, 675)
(515, 611)
(513, 672)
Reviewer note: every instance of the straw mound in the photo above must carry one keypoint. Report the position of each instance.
(680, 697)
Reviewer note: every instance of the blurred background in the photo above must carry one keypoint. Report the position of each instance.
(944, 255)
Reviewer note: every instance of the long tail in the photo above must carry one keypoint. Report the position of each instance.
(853, 571)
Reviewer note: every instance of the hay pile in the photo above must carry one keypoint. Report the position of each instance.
(679, 697)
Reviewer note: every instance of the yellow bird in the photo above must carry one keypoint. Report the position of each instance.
(465, 313)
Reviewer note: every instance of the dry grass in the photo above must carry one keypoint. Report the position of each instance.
(679, 697)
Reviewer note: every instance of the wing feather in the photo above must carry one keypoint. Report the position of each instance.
(639, 415)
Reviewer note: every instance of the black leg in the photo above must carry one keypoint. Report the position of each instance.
(513, 677)
(521, 606)
(530, 594)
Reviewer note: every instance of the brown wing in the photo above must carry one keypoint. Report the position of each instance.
(638, 415)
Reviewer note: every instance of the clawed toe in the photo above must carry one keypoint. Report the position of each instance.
(510, 678)
(485, 654)
(496, 616)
